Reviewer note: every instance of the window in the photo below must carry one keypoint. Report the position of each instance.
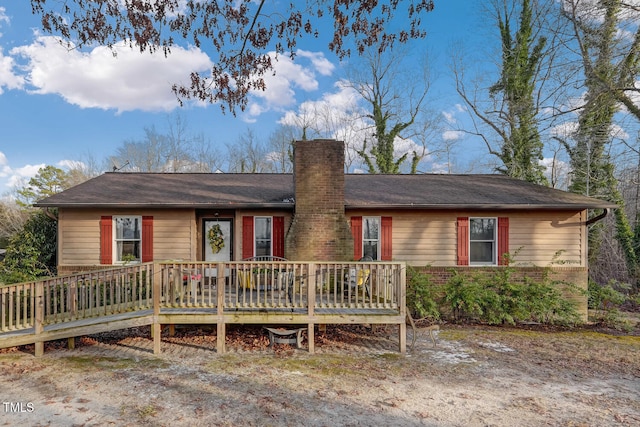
(262, 236)
(128, 238)
(132, 239)
(371, 237)
(482, 241)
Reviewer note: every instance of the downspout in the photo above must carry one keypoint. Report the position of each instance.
(597, 218)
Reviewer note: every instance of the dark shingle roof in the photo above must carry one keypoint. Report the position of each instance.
(206, 190)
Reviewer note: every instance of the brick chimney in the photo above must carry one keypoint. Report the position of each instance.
(319, 230)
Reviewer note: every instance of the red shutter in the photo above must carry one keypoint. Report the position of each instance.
(503, 240)
(278, 236)
(463, 241)
(106, 240)
(147, 238)
(356, 232)
(386, 243)
(247, 237)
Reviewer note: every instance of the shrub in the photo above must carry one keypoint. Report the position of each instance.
(500, 297)
(465, 296)
(421, 295)
(605, 300)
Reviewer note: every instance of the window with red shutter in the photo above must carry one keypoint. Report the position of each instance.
(463, 241)
(147, 238)
(386, 253)
(503, 240)
(247, 237)
(482, 241)
(278, 236)
(262, 236)
(106, 240)
(356, 232)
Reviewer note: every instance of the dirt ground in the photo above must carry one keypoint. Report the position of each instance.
(474, 376)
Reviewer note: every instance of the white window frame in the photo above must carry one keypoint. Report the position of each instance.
(378, 240)
(116, 240)
(494, 241)
(255, 235)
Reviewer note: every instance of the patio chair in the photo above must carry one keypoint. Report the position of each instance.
(359, 278)
(245, 278)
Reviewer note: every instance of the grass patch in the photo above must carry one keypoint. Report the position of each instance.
(98, 363)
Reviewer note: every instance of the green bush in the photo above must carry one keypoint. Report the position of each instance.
(499, 297)
(605, 300)
(421, 295)
(465, 297)
(31, 253)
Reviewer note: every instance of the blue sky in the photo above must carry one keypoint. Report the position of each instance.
(59, 106)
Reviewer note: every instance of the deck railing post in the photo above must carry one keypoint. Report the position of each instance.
(311, 304)
(221, 326)
(156, 294)
(39, 320)
(402, 296)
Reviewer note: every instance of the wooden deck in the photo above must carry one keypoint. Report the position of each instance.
(156, 294)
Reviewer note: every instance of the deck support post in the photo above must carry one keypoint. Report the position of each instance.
(402, 338)
(71, 343)
(156, 327)
(221, 327)
(39, 318)
(311, 338)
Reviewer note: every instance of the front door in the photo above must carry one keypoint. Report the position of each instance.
(218, 240)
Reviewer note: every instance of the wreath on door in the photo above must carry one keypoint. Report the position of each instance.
(216, 238)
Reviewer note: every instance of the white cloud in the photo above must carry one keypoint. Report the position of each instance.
(96, 79)
(565, 130)
(71, 164)
(321, 64)
(288, 76)
(452, 135)
(8, 78)
(449, 117)
(18, 177)
(3, 15)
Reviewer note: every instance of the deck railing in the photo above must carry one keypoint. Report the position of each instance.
(250, 290)
(74, 297)
(282, 284)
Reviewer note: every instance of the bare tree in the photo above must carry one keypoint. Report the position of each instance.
(506, 111)
(176, 150)
(395, 97)
(248, 155)
(280, 148)
(239, 32)
(12, 218)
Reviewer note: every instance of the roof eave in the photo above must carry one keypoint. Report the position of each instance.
(519, 207)
(169, 206)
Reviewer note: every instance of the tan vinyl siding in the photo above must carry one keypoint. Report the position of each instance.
(540, 235)
(174, 235)
(429, 238)
(79, 235)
